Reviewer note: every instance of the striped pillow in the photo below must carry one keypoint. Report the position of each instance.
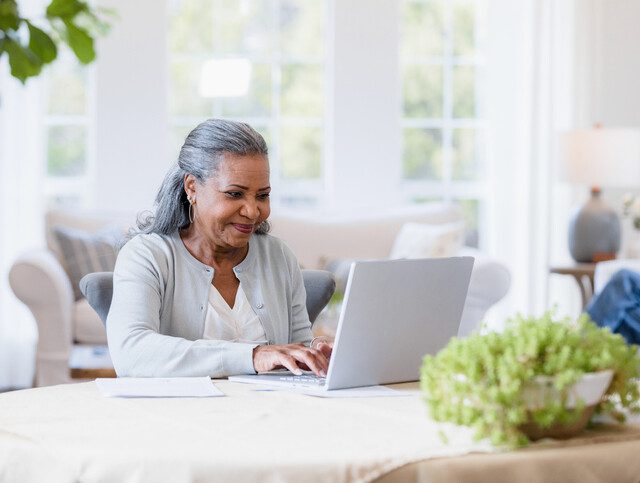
(85, 253)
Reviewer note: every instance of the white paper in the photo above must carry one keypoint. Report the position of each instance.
(158, 387)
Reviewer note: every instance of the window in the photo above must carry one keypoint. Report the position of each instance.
(442, 113)
(68, 131)
(260, 62)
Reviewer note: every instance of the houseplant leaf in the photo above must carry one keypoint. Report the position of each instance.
(41, 44)
(65, 8)
(80, 42)
(9, 17)
(24, 63)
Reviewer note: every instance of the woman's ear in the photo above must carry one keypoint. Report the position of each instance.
(190, 185)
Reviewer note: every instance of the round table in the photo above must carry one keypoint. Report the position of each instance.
(71, 433)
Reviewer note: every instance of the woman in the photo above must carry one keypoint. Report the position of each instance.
(202, 289)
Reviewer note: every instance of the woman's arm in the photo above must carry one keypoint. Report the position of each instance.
(136, 345)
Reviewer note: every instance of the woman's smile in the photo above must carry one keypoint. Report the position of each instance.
(246, 229)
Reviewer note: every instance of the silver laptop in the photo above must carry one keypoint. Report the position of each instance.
(394, 312)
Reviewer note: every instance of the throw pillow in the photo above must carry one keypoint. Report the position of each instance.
(421, 240)
(85, 253)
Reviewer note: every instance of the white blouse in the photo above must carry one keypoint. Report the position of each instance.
(237, 324)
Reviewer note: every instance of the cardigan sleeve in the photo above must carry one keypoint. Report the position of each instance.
(137, 347)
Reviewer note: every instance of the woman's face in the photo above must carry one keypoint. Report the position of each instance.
(231, 204)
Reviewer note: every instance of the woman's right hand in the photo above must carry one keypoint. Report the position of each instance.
(294, 357)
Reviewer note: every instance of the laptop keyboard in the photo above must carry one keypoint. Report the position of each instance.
(304, 379)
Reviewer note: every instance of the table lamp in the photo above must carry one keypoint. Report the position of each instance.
(598, 157)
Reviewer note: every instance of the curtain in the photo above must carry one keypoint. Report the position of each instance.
(530, 77)
(21, 219)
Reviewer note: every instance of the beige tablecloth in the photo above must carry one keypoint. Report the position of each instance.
(71, 433)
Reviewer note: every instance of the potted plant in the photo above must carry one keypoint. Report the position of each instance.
(539, 377)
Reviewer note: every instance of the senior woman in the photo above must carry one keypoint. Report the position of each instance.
(202, 289)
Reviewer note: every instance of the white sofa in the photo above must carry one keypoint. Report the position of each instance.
(64, 325)
(319, 240)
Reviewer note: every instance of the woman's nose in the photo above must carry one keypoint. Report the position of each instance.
(250, 210)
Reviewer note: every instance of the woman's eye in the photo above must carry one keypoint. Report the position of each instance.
(234, 194)
(263, 196)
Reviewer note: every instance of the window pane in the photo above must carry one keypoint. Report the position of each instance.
(190, 26)
(177, 136)
(465, 161)
(302, 91)
(67, 201)
(301, 152)
(425, 199)
(464, 13)
(242, 27)
(257, 102)
(422, 91)
(66, 150)
(464, 97)
(471, 211)
(422, 29)
(185, 99)
(67, 88)
(423, 153)
(301, 27)
(265, 132)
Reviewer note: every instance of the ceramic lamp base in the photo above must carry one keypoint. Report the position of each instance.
(594, 231)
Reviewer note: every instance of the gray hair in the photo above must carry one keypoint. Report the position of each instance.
(200, 155)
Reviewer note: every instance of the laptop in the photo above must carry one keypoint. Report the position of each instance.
(394, 313)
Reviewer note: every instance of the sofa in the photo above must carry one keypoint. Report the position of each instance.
(70, 331)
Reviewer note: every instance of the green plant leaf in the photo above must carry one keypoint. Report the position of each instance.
(65, 8)
(23, 62)
(80, 42)
(41, 44)
(9, 17)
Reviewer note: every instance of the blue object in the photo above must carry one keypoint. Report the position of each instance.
(617, 306)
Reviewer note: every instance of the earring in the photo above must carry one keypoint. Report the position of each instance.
(192, 201)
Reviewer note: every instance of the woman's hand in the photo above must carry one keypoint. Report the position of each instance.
(294, 357)
(324, 344)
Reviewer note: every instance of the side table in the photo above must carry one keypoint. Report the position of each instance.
(583, 275)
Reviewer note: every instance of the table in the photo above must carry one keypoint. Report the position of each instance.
(583, 274)
(70, 433)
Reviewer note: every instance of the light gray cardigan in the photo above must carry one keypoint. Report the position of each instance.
(160, 300)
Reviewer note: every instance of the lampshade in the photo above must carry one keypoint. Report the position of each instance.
(225, 78)
(601, 157)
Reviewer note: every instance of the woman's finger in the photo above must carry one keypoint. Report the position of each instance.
(290, 363)
(325, 348)
(313, 359)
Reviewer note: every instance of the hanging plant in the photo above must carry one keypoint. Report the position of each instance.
(30, 44)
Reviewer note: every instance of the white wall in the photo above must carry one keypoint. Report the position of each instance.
(131, 110)
(616, 97)
(364, 166)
